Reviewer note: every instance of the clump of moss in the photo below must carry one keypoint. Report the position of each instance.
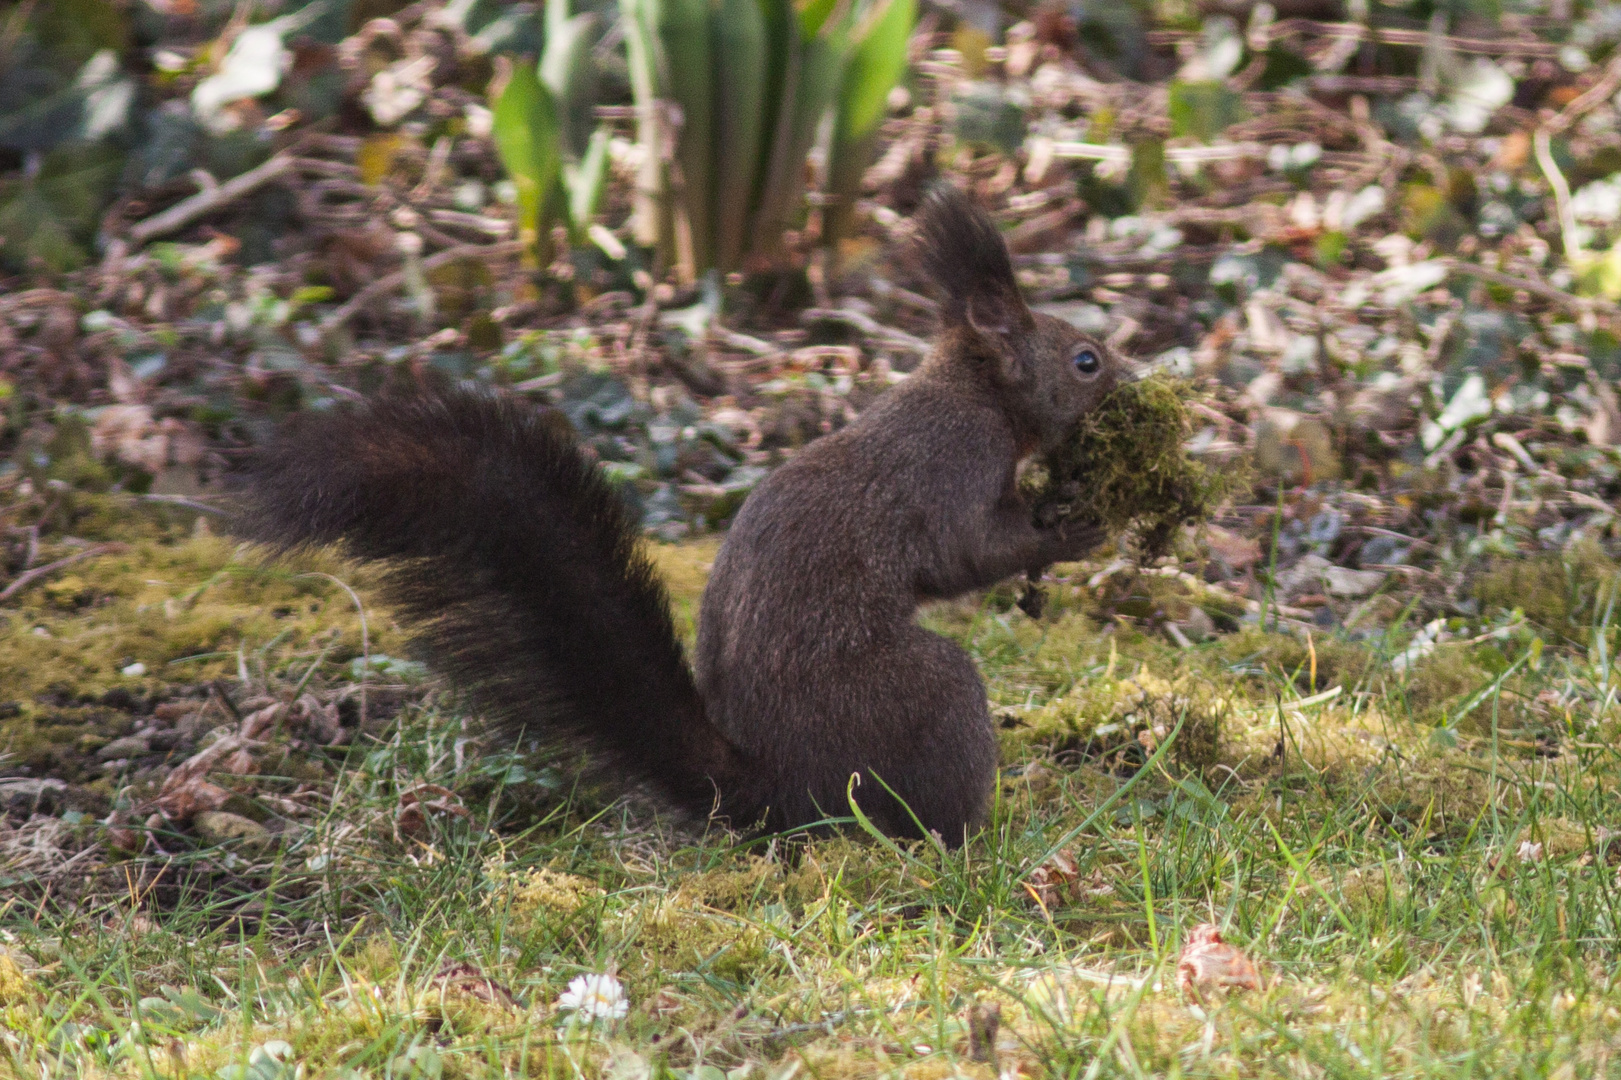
(1103, 718)
(15, 988)
(556, 891)
(1125, 468)
(676, 935)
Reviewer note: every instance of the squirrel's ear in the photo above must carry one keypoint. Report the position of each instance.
(962, 251)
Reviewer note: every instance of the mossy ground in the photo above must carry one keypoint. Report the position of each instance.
(1420, 860)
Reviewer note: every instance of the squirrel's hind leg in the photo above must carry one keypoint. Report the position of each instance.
(942, 753)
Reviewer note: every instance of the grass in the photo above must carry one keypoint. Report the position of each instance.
(1420, 862)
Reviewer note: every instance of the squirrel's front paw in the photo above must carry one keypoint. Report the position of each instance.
(1071, 540)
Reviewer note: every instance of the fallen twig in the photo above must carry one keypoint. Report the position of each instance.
(389, 282)
(28, 577)
(1588, 99)
(747, 342)
(1120, 154)
(1216, 592)
(1535, 288)
(181, 501)
(1285, 29)
(868, 325)
(209, 200)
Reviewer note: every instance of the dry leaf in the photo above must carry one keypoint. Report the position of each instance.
(16, 988)
(1238, 553)
(462, 977)
(259, 721)
(120, 837)
(1472, 986)
(1052, 881)
(1208, 963)
(186, 791)
(192, 796)
(319, 718)
(128, 433)
(416, 805)
(664, 1002)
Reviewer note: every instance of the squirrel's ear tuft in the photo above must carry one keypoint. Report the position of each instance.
(960, 248)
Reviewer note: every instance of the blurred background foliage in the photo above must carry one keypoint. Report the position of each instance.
(103, 96)
(1382, 235)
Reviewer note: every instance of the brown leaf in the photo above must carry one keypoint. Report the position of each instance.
(663, 1002)
(352, 257)
(187, 445)
(191, 797)
(1208, 963)
(120, 837)
(59, 329)
(1513, 152)
(462, 977)
(258, 722)
(1053, 881)
(1056, 26)
(186, 791)
(129, 434)
(241, 763)
(319, 718)
(411, 818)
(1238, 553)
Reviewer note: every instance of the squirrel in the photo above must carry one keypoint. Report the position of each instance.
(522, 576)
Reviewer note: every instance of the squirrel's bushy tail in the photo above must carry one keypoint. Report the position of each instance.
(518, 570)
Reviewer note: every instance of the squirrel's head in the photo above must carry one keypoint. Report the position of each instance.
(1046, 373)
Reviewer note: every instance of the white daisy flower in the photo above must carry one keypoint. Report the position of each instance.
(595, 997)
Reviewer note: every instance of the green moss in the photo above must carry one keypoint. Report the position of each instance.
(1100, 718)
(1563, 592)
(678, 935)
(187, 613)
(1125, 467)
(1321, 664)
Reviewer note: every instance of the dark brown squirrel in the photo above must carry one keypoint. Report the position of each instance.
(522, 576)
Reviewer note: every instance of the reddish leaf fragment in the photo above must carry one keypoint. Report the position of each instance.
(462, 977)
(419, 803)
(1210, 964)
(1053, 881)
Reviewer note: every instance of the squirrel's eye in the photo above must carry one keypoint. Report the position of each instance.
(1086, 361)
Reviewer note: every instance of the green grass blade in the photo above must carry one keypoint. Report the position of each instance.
(781, 67)
(585, 183)
(810, 85)
(813, 16)
(876, 63)
(566, 70)
(641, 56)
(847, 162)
(683, 34)
(740, 57)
